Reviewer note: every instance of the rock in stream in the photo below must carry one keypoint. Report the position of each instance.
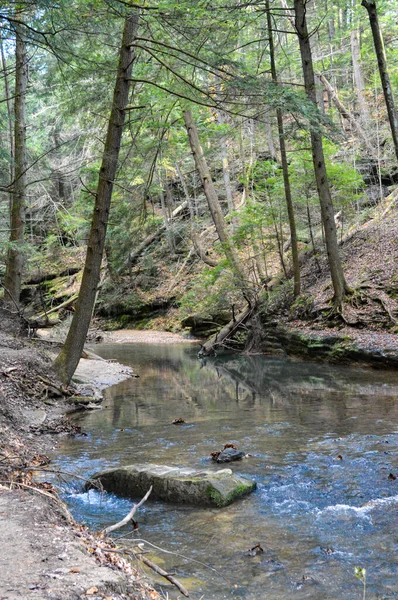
(173, 484)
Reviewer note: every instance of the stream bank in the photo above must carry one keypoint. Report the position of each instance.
(346, 346)
(45, 554)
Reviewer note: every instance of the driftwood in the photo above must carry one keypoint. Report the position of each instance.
(128, 517)
(142, 558)
(153, 236)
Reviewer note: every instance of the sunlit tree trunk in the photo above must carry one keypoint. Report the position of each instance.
(285, 167)
(15, 257)
(370, 6)
(70, 354)
(338, 280)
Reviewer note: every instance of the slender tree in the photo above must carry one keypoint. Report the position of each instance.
(358, 77)
(70, 354)
(214, 204)
(370, 6)
(285, 166)
(336, 270)
(15, 257)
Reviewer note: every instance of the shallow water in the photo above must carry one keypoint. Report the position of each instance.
(317, 516)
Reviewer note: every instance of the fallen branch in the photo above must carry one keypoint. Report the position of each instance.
(56, 308)
(128, 517)
(163, 573)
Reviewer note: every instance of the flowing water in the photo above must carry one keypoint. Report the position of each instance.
(323, 441)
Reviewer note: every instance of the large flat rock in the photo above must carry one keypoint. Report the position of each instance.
(173, 484)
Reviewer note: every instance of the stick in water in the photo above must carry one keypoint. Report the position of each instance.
(128, 517)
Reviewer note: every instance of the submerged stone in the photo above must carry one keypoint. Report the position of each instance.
(173, 484)
(229, 455)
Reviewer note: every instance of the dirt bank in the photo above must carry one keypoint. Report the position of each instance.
(43, 553)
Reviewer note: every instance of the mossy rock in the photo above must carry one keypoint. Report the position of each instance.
(173, 484)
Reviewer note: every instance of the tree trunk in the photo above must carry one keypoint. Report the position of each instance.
(169, 233)
(347, 114)
(269, 138)
(15, 258)
(358, 77)
(338, 280)
(370, 6)
(225, 166)
(70, 354)
(200, 252)
(9, 114)
(285, 167)
(214, 204)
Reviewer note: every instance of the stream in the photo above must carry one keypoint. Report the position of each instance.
(323, 440)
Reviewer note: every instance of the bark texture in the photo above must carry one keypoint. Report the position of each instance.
(70, 354)
(15, 257)
(339, 284)
(370, 6)
(285, 168)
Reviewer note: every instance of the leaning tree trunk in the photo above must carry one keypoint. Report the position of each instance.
(70, 354)
(214, 204)
(370, 6)
(15, 257)
(285, 168)
(336, 270)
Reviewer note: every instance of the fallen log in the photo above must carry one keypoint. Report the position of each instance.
(219, 338)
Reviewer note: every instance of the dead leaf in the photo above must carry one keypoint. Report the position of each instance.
(339, 457)
(93, 590)
(75, 570)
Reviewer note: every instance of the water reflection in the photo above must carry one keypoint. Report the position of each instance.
(323, 439)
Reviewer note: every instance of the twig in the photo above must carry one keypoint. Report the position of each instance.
(163, 573)
(128, 517)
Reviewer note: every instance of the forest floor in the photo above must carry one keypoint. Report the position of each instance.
(44, 554)
(370, 261)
